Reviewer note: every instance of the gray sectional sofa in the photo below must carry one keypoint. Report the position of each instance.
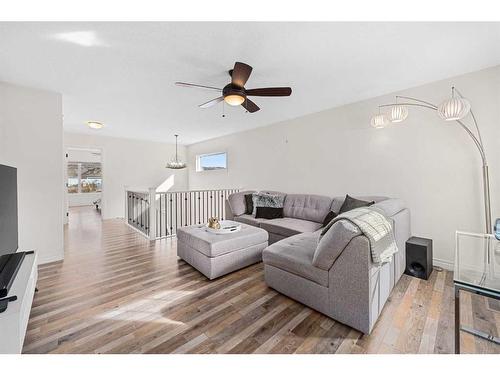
(342, 283)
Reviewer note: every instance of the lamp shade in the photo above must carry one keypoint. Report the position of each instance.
(454, 108)
(379, 120)
(398, 113)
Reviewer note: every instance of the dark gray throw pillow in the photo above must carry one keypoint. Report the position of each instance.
(351, 203)
(248, 204)
(269, 213)
(329, 217)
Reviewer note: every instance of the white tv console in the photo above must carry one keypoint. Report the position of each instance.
(14, 320)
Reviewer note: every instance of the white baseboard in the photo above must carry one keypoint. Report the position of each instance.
(446, 264)
(49, 258)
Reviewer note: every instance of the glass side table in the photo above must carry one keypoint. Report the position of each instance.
(477, 270)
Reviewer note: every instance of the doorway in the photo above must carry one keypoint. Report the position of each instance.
(83, 175)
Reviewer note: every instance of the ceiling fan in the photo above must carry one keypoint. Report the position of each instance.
(235, 93)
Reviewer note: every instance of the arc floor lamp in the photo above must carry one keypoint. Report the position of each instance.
(455, 108)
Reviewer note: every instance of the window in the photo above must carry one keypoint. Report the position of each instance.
(84, 177)
(210, 162)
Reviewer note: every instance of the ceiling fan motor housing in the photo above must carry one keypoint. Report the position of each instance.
(231, 89)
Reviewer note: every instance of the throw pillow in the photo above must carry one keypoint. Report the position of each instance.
(267, 200)
(329, 217)
(269, 213)
(351, 203)
(248, 204)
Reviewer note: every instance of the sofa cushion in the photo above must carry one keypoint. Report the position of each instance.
(333, 242)
(213, 245)
(288, 226)
(249, 219)
(237, 202)
(351, 203)
(269, 213)
(262, 199)
(329, 217)
(295, 255)
(248, 204)
(307, 207)
(338, 201)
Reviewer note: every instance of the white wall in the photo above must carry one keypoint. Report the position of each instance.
(84, 155)
(133, 163)
(31, 141)
(433, 165)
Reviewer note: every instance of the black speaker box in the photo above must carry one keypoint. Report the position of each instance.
(419, 257)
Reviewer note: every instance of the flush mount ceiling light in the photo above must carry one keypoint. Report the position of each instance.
(95, 124)
(455, 109)
(176, 163)
(379, 121)
(82, 38)
(398, 113)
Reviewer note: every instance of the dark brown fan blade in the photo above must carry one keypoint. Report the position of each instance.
(212, 102)
(184, 84)
(240, 75)
(250, 106)
(270, 91)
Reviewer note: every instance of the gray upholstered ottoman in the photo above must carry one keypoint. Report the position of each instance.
(215, 255)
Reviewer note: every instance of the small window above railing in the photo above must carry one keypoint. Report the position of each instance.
(211, 162)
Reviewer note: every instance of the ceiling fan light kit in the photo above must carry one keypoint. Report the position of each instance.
(234, 99)
(455, 108)
(235, 93)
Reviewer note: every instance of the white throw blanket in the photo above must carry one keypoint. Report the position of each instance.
(377, 229)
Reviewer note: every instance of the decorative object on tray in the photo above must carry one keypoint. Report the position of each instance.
(213, 223)
(223, 226)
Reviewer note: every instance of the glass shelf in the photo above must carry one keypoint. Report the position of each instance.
(477, 261)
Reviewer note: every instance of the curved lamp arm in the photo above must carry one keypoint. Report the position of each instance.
(477, 141)
(424, 104)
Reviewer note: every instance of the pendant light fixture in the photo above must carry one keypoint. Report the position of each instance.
(176, 163)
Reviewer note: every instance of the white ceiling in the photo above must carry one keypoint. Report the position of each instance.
(123, 74)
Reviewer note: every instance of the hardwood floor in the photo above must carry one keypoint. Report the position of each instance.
(116, 292)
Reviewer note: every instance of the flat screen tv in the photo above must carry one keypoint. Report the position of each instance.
(8, 210)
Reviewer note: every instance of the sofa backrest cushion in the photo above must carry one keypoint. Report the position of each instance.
(237, 202)
(389, 207)
(338, 201)
(307, 207)
(333, 243)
